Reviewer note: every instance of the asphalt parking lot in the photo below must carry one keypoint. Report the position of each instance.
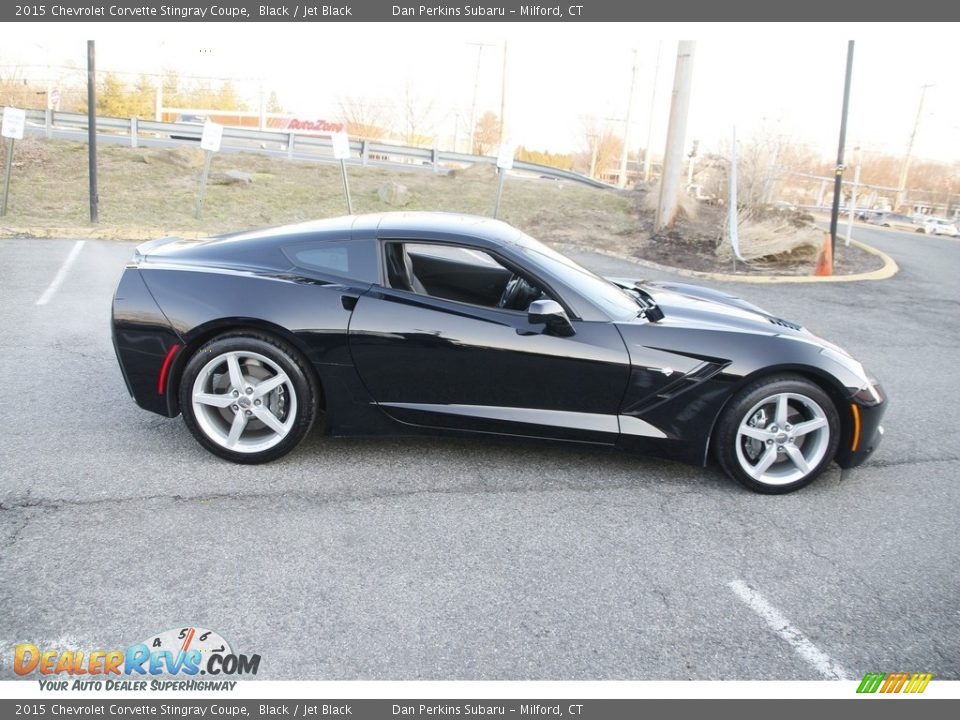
(473, 558)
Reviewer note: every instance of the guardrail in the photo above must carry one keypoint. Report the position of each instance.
(295, 144)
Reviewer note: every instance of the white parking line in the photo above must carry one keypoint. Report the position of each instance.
(61, 273)
(822, 663)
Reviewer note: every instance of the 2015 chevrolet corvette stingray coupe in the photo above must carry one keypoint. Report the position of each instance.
(425, 322)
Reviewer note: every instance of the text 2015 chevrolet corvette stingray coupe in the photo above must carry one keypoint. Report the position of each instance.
(426, 322)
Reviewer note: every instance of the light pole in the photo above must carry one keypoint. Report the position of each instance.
(476, 85)
(158, 96)
(853, 194)
(48, 80)
(653, 99)
(92, 130)
(622, 179)
(838, 172)
(594, 142)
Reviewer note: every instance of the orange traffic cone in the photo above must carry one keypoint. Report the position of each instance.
(825, 258)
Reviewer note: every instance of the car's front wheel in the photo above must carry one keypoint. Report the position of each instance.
(248, 398)
(777, 434)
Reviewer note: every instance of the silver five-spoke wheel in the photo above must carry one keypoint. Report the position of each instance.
(249, 398)
(777, 434)
(244, 401)
(782, 438)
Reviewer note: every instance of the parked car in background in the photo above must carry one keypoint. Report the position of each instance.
(697, 192)
(940, 226)
(897, 221)
(190, 119)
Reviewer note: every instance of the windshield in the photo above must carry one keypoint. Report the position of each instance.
(617, 303)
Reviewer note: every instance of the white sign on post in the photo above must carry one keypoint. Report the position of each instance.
(341, 146)
(212, 135)
(505, 156)
(14, 120)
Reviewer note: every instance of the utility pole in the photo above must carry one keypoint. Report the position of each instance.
(622, 179)
(676, 134)
(503, 93)
(692, 159)
(92, 128)
(593, 154)
(905, 167)
(262, 114)
(473, 105)
(653, 99)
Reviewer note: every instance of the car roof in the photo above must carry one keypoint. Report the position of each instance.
(388, 222)
(261, 246)
(420, 225)
(441, 225)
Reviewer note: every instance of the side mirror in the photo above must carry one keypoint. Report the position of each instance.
(551, 314)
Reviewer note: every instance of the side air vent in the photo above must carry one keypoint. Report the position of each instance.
(785, 323)
(699, 374)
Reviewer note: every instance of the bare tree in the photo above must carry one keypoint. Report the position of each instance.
(486, 134)
(773, 167)
(765, 164)
(273, 103)
(603, 149)
(418, 118)
(16, 91)
(365, 119)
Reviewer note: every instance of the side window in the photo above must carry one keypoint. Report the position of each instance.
(354, 259)
(458, 273)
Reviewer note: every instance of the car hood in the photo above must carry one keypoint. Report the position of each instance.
(705, 308)
(693, 307)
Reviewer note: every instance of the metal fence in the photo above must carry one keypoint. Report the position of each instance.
(299, 145)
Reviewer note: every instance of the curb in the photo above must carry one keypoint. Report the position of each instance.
(889, 269)
(137, 234)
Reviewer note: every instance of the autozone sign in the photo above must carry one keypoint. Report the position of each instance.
(323, 126)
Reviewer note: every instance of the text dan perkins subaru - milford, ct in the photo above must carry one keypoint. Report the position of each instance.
(403, 323)
(456, 11)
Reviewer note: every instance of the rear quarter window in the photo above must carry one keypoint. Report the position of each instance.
(353, 259)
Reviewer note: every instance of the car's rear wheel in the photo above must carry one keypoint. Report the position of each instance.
(777, 434)
(248, 398)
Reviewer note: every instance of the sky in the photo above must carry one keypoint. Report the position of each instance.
(783, 80)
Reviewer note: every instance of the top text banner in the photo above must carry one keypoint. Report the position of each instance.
(380, 11)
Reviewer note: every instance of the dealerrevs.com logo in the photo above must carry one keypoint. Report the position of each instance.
(910, 683)
(186, 652)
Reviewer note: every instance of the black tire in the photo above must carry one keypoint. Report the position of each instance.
(291, 404)
(769, 463)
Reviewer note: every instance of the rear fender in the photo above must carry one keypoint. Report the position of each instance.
(198, 336)
(145, 342)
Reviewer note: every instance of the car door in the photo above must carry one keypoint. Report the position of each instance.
(451, 363)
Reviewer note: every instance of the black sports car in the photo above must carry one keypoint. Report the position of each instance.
(426, 322)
